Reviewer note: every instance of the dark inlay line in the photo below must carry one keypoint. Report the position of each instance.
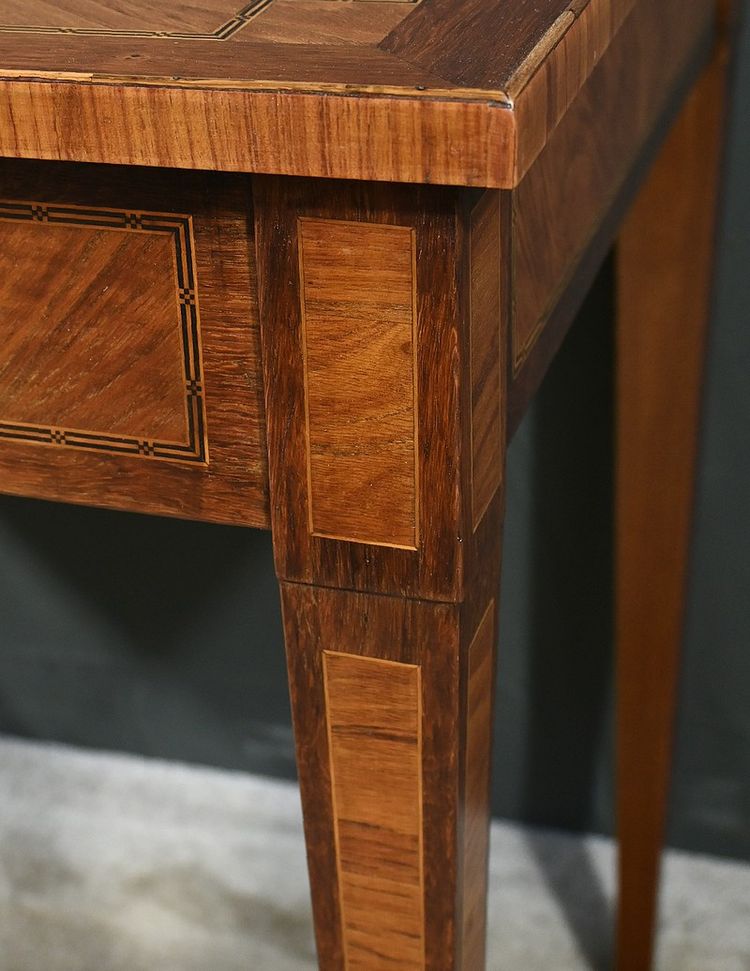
(228, 29)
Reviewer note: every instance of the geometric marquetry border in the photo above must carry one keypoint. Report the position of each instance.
(224, 32)
(232, 26)
(180, 228)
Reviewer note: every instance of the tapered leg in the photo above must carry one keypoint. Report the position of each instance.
(665, 264)
(392, 704)
(384, 335)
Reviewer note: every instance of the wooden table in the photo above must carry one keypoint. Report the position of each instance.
(332, 252)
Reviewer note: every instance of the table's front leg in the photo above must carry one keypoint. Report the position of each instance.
(665, 263)
(384, 360)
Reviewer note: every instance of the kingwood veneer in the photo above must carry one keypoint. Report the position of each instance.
(205, 327)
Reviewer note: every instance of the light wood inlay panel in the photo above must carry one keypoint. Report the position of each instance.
(447, 543)
(92, 357)
(487, 354)
(134, 18)
(358, 302)
(477, 790)
(374, 725)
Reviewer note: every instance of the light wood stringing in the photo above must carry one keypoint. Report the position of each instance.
(374, 714)
(358, 316)
(124, 18)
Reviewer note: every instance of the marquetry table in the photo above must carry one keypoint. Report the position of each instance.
(301, 265)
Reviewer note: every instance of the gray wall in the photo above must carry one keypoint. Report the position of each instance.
(164, 638)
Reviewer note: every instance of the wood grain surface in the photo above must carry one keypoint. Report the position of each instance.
(358, 296)
(554, 270)
(420, 609)
(90, 352)
(473, 44)
(441, 91)
(665, 258)
(130, 359)
(480, 688)
(398, 714)
(449, 402)
(560, 204)
(127, 16)
(434, 568)
(206, 20)
(487, 352)
(373, 710)
(391, 325)
(550, 79)
(379, 136)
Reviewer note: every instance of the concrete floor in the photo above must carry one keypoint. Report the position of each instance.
(111, 863)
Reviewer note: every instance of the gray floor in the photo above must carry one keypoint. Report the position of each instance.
(110, 863)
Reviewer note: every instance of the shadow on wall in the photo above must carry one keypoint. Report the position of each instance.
(142, 634)
(568, 638)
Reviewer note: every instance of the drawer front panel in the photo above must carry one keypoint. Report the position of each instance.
(129, 359)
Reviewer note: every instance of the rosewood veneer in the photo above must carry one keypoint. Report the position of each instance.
(301, 265)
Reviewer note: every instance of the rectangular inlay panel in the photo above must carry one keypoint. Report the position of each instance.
(375, 742)
(359, 314)
(129, 358)
(113, 360)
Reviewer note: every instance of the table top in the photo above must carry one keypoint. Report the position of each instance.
(404, 45)
(452, 91)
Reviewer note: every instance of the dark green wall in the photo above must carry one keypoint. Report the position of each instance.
(163, 637)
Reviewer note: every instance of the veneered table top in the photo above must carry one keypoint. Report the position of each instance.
(458, 91)
(403, 44)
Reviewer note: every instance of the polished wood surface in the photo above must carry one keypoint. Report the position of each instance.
(409, 759)
(204, 20)
(560, 204)
(487, 359)
(129, 366)
(586, 204)
(444, 91)
(375, 748)
(370, 601)
(358, 299)
(96, 359)
(664, 264)
(381, 631)
(301, 340)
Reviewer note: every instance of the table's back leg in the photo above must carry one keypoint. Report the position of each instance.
(384, 335)
(665, 266)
